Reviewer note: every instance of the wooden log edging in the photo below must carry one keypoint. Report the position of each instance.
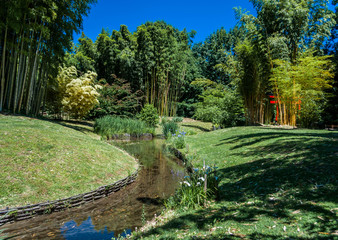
(25, 212)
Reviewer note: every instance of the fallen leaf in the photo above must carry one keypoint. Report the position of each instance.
(296, 212)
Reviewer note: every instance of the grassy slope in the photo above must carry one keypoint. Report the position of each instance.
(43, 160)
(276, 184)
(195, 127)
(190, 126)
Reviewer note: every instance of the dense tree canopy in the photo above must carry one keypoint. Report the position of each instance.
(282, 31)
(34, 35)
(283, 50)
(156, 59)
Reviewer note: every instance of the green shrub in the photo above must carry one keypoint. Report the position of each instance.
(177, 119)
(110, 125)
(310, 113)
(117, 98)
(149, 115)
(177, 140)
(221, 107)
(186, 109)
(164, 120)
(169, 128)
(209, 114)
(191, 193)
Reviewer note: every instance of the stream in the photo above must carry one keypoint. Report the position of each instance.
(118, 214)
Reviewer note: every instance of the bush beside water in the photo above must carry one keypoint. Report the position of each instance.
(109, 126)
(149, 115)
(177, 140)
(169, 128)
(191, 194)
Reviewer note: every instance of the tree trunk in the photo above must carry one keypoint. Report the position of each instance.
(33, 77)
(8, 71)
(19, 71)
(14, 72)
(24, 83)
(3, 71)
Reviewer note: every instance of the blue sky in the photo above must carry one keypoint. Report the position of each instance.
(204, 17)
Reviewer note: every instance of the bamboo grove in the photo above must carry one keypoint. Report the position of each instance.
(287, 50)
(34, 35)
(156, 59)
(282, 54)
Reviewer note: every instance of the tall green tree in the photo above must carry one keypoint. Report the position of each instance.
(331, 110)
(84, 55)
(163, 54)
(33, 40)
(214, 50)
(301, 86)
(281, 30)
(156, 60)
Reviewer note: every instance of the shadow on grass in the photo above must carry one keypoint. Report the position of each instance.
(203, 129)
(291, 182)
(81, 126)
(76, 125)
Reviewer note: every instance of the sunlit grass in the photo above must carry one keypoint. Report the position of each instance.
(192, 127)
(44, 160)
(275, 184)
(195, 127)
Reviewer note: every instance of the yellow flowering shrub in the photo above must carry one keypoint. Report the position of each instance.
(79, 93)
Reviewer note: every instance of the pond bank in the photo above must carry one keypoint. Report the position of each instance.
(275, 184)
(45, 160)
(118, 213)
(9, 215)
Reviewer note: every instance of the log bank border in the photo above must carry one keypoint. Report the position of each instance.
(25, 212)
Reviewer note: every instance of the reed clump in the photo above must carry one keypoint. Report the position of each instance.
(110, 126)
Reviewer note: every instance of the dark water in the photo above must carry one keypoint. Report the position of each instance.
(117, 214)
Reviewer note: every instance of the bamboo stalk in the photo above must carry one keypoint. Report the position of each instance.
(14, 71)
(3, 71)
(33, 77)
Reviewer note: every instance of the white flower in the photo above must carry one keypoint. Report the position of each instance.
(201, 178)
(187, 183)
(198, 183)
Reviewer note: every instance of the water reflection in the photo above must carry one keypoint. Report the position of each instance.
(86, 230)
(109, 217)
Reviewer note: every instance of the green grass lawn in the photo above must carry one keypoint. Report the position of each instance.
(45, 160)
(195, 127)
(276, 184)
(192, 127)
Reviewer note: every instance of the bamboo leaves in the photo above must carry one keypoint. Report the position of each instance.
(32, 42)
(301, 86)
(274, 57)
(163, 54)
